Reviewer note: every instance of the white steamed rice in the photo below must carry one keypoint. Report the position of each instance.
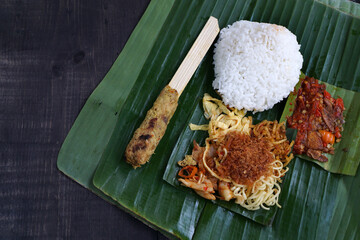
(256, 65)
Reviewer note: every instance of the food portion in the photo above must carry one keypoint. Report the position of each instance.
(152, 129)
(239, 161)
(319, 119)
(256, 65)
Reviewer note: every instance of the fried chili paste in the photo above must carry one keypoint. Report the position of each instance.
(319, 119)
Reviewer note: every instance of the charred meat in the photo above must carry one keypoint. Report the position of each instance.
(152, 129)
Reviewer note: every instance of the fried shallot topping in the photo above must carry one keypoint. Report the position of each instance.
(242, 158)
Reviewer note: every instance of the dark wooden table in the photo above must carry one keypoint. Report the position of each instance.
(53, 55)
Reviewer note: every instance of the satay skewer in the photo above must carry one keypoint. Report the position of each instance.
(152, 129)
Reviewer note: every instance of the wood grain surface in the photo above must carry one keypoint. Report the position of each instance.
(53, 55)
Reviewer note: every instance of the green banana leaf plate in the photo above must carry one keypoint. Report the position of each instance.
(316, 204)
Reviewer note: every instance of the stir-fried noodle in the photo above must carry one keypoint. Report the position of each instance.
(240, 160)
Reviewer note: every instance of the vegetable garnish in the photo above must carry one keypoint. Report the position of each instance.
(327, 137)
(188, 171)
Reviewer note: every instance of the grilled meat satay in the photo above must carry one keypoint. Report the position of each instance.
(152, 129)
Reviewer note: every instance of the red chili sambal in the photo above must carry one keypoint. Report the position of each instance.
(319, 119)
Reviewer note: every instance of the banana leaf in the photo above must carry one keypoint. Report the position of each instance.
(84, 145)
(346, 158)
(316, 205)
(95, 123)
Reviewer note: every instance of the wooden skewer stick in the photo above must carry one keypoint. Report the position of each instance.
(152, 129)
(195, 55)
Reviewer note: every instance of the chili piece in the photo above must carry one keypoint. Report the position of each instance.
(188, 171)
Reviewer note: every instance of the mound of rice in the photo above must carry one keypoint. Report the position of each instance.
(256, 65)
